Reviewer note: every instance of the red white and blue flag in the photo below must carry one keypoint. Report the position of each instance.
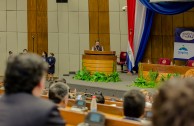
(136, 17)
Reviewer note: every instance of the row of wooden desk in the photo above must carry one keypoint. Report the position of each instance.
(144, 68)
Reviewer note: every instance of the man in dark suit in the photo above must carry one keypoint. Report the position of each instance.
(97, 46)
(24, 81)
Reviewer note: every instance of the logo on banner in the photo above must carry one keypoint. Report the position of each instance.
(183, 50)
(187, 35)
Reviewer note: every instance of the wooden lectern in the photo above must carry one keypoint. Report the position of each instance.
(99, 61)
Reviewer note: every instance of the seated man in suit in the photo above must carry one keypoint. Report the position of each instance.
(133, 105)
(97, 46)
(58, 93)
(24, 81)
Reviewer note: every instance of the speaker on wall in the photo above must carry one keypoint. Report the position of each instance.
(62, 1)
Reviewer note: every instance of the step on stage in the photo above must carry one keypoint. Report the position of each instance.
(116, 89)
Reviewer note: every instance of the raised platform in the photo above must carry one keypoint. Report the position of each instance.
(109, 89)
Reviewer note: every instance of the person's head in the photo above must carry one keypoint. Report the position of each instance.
(25, 74)
(58, 93)
(10, 52)
(173, 106)
(133, 104)
(97, 42)
(147, 94)
(57, 80)
(25, 51)
(44, 54)
(51, 54)
(100, 99)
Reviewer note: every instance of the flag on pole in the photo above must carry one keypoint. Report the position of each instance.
(131, 23)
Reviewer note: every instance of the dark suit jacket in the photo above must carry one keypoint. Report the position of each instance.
(27, 110)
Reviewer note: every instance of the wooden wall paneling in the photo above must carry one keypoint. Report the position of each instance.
(94, 22)
(103, 5)
(156, 48)
(42, 21)
(105, 41)
(93, 38)
(189, 19)
(41, 5)
(42, 42)
(32, 23)
(32, 40)
(168, 46)
(157, 27)
(177, 21)
(104, 26)
(148, 52)
(93, 5)
(31, 5)
(37, 26)
(167, 27)
(99, 22)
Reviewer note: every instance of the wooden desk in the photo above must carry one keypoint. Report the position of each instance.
(99, 61)
(163, 69)
(79, 117)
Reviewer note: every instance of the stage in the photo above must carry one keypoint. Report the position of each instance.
(116, 89)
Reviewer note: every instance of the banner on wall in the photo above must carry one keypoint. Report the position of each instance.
(184, 44)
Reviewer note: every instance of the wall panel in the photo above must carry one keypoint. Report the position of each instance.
(37, 26)
(99, 27)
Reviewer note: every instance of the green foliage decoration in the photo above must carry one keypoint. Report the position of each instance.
(151, 80)
(97, 76)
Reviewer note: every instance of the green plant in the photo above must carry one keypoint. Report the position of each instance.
(153, 75)
(82, 75)
(113, 77)
(97, 76)
(150, 82)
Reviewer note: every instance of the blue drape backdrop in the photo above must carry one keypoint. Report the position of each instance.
(167, 8)
(145, 36)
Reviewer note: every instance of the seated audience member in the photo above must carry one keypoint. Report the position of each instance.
(173, 106)
(24, 81)
(57, 80)
(99, 97)
(148, 98)
(133, 105)
(58, 93)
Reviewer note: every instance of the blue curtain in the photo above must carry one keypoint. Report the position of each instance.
(145, 36)
(168, 8)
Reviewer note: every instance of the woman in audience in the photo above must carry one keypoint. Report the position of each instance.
(148, 98)
(51, 61)
(44, 56)
(58, 93)
(133, 105)
(173, 106)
